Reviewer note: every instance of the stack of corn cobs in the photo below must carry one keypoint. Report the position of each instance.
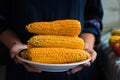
(56, 42)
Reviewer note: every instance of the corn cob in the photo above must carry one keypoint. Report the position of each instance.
(56, 55)
(58, 27)
(114, 39)
(56, 41)
(116, 32)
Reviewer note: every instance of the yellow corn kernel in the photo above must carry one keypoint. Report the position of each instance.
(57, 27)
(56, 55)
(56, 41)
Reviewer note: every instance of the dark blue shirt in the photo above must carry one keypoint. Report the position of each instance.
(16, 14)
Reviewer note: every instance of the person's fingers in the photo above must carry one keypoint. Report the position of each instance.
(27, 66)
(74, 70)
(17, 61)
(31, 68)
(87, 64)
(92, 53)
(16, 48)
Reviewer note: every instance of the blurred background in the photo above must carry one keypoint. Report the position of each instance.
(111, 20)
(111, 17)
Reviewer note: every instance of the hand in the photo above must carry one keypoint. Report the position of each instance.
(14, 50)
(93, 55)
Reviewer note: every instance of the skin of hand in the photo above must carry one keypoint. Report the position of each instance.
(89, 40)
(14, 50)
(15, 45)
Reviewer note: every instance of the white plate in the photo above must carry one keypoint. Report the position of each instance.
(51, 67)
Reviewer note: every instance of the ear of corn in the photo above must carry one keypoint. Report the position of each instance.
(58, 27)
(56, 55)
(56, 41)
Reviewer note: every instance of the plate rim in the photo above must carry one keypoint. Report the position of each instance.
(45, 64)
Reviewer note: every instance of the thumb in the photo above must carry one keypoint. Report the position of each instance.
(16, 48)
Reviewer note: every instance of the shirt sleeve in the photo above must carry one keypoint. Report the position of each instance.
(3, 15)
(93, 16)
